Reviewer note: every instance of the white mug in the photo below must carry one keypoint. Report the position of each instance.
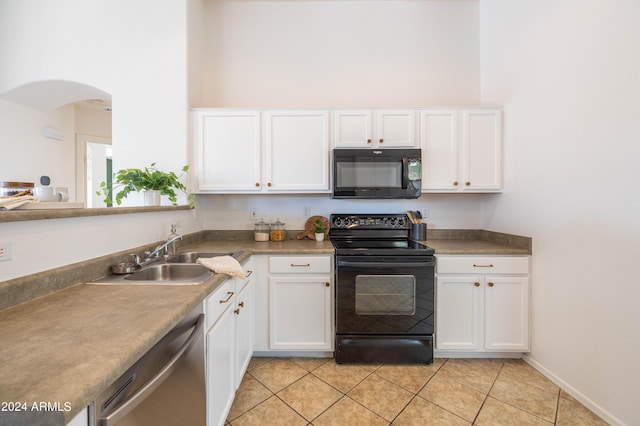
(49, 194)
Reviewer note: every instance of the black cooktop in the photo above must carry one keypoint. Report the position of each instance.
(377, 234)
(373, 247)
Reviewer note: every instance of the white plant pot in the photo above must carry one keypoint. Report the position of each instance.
(319, 236)
(151, 197)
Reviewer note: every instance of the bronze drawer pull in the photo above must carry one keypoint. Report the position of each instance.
(230, 295)
(306, 265)
(483, 266)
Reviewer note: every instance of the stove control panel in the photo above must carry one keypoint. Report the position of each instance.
(384, 221)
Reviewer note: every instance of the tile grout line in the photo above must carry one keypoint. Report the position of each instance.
(415, 394)
(555, 419)
(519, 408)
(475, 419)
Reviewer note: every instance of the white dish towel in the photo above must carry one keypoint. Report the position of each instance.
(10, 203)
(223, 265)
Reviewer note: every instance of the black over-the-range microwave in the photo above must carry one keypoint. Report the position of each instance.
(377, 173)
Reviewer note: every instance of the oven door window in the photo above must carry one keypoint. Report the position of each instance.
(385, 294)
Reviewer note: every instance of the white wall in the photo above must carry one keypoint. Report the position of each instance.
(39, 245)
(135, 51)
(346, 53)
(567, 74)
(26, 154)
(232, 211)
(341, 53)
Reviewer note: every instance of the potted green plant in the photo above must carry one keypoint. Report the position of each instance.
(149, 179)
(319, 228)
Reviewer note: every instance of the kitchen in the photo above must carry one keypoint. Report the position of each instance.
(554, 190)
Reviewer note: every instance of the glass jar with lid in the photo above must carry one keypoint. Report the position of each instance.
(14, 189)
(261, 231)
(278, 231)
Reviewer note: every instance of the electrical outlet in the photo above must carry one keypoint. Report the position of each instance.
(253, 214)
(307, 211)
(5, 251)
(425, 212)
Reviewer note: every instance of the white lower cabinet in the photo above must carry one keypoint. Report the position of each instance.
(220, 354)
(244, 329)
(229, 343)
(294, 310)
(482, 303)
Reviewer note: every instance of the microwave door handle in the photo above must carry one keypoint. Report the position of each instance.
(405, 172)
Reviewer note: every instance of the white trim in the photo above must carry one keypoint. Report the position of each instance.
(581, 398)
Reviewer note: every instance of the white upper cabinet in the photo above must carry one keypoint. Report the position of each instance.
(227, 147)
(368, 128)
(461, 149)
(239, 151)
(297, 151)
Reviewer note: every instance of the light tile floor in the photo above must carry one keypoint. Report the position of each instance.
(319, 392)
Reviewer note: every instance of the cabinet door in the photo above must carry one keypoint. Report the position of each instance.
(220, 368)
(482, 150)
(244, 330)
(396, 128)
(228, 151)
(261, 303)
(352, 129)
(439, 143)
(297, 145)
(459, 313)
(300, 313)
(506, 313)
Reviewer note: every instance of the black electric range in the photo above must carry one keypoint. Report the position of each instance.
(384, 294)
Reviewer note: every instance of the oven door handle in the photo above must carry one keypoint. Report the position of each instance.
(385, 265)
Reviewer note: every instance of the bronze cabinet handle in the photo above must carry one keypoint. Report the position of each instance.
(327, 284)
(257, 184)
(236, 311)
(477, 284)
(306, 265)
(490, 284)
(229, 296)
(368, 140)
(241, 304)
(483, 266)
(468, 183)
(381, 140)
(455, 183)
(269, 184)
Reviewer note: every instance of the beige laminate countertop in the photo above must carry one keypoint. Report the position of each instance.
(68, 346)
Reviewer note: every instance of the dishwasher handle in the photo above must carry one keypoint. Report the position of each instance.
(128, 405)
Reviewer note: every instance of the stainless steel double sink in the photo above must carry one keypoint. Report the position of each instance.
(179, 269)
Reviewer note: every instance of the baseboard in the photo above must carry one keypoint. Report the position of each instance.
(578, 396)
(462, 354)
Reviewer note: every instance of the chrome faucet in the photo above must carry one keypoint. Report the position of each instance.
(152, 256)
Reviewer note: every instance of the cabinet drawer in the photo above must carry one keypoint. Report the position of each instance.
(217, 302)
(299, 264)
(482, 264)
(248, 269)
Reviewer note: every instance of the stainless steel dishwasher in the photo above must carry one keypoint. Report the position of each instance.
(165, 387)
